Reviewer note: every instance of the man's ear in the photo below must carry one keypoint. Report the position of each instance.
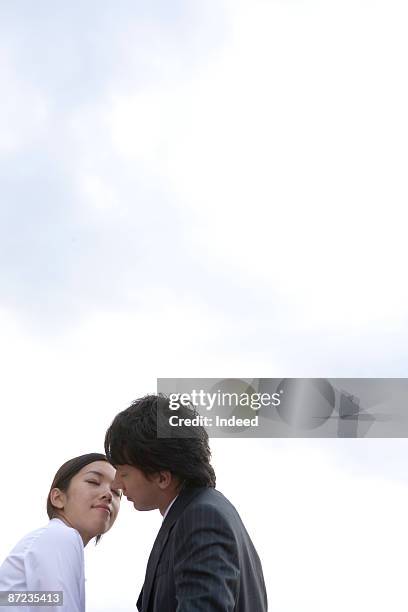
(57, 498)
(164, 479)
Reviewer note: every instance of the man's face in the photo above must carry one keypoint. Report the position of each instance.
(137, 488)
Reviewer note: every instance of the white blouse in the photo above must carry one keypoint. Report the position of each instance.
(48, 559)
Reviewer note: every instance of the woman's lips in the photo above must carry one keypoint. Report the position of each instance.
(102, 508)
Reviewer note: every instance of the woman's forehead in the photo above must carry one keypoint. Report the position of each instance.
(99, 468)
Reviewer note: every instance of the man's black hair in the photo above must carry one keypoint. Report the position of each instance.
(132, 440)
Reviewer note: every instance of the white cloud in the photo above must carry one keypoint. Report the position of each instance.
(24, 109)
(288, 149)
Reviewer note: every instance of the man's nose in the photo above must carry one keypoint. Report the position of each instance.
(116, 484)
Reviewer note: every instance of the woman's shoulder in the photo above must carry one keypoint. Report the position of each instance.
(43, 551)
(56, 528)
(56, 534)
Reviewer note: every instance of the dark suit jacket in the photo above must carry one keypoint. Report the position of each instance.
(203, 560)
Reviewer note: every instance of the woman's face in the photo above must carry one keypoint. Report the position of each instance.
(90, 504)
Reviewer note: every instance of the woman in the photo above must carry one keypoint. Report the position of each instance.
(81, 505)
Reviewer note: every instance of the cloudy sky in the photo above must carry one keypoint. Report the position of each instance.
(213, 188)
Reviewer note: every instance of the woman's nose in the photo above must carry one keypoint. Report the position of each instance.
(107, 494)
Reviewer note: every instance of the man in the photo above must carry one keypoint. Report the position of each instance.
(203, 559)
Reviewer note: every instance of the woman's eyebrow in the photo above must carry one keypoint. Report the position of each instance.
(97, 474)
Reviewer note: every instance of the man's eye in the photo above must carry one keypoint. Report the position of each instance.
(117, 493)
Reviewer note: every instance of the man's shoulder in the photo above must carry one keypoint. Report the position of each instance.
(212, 497)
(209, 495)
(208, 519)
(210, 502)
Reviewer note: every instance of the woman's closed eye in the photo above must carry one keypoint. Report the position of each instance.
(116, 492)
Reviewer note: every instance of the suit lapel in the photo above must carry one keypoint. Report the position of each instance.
(185, 497)
(139, 601)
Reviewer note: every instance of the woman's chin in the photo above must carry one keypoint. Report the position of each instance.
(100, 526)
(104, 526)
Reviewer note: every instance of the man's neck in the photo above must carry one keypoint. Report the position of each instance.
(167, 503)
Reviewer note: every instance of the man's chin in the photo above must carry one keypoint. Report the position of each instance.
(137, 506)
(142, 508)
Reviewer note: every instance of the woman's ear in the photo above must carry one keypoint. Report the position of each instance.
(57, 498)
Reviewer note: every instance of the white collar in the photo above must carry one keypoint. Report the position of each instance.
(168, 507)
